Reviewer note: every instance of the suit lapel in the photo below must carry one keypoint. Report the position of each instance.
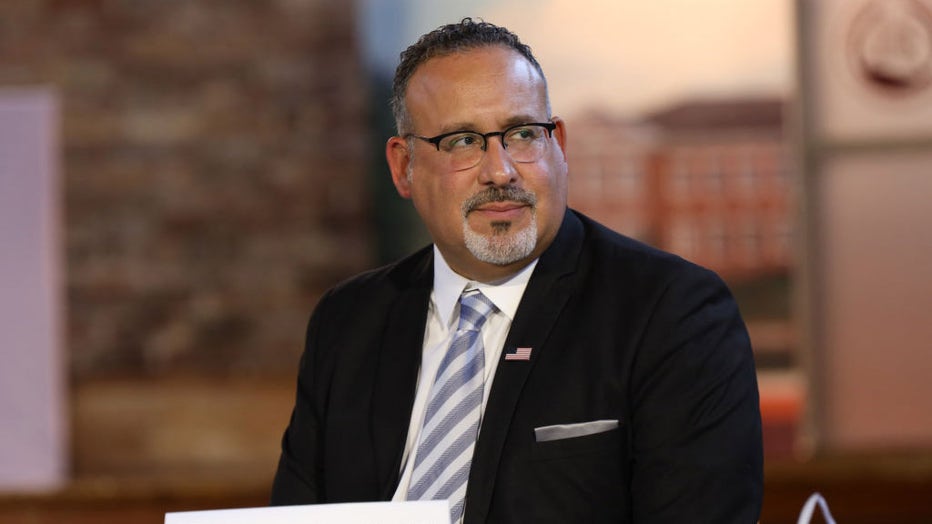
(544, 299)
(399, 360)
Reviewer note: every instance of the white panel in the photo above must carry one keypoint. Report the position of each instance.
(876, 288)
(412, 512)
(32, 411)
(872, 68)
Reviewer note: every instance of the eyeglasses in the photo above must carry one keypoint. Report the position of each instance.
(524, 143)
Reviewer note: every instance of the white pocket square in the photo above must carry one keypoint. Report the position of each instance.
(581, 429)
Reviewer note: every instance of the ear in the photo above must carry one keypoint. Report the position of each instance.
(398, 156)
(560, 134)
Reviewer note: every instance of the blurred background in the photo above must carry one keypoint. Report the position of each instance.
(180, 181)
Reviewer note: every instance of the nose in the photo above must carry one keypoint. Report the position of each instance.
(497, 168)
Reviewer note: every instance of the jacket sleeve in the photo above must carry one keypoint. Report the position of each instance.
(298, 479)
(696, 429)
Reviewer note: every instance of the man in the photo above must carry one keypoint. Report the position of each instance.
(530, 366)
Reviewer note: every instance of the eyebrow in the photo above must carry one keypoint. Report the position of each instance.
(469, 126)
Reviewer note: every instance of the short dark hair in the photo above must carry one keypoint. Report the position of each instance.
(445, 40)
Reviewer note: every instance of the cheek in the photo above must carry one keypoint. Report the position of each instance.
(439, 203)
(550, 185)
(558, 182)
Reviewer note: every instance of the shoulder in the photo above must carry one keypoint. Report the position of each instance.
(413, 271)
(614, 256)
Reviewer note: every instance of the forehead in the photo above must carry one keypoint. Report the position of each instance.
(482, 87)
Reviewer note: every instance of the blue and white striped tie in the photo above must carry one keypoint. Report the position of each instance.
(451, 422)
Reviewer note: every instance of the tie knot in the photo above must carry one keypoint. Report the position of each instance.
(474, 311)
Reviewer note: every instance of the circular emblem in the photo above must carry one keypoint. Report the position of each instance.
(890, 46)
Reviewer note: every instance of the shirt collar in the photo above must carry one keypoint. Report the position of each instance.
(448, 286)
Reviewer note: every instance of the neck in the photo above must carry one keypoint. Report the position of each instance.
(491, 273)
(466, 265)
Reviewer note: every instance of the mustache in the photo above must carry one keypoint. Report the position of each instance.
(499, 194)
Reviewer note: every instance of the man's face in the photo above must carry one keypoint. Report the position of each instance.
(492, 219)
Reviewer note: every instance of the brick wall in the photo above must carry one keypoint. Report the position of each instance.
(213, 162)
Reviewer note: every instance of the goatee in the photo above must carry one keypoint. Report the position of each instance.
(503, 246)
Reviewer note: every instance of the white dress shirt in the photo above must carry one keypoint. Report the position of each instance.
(442, 318)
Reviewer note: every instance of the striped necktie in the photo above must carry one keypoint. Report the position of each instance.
(451, 421)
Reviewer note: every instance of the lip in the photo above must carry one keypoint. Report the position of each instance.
(501, 210)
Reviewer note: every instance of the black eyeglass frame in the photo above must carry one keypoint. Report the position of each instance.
(435, 140)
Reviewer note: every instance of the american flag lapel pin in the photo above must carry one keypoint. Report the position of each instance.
(519, 354)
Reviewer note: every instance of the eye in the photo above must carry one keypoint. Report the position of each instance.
(523, 134)
(461, 141)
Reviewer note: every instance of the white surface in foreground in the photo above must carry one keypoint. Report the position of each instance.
(419, 512)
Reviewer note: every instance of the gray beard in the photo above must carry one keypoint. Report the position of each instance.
(503, 246)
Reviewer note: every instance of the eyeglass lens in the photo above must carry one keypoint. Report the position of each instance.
(525, 143)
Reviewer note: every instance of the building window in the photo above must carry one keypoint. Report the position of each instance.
(716, 243)
(714, 175)
(746, 174)
(750, 241)
(680, 175)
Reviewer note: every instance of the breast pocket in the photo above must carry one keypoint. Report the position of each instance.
(554, 442)
(583, 476)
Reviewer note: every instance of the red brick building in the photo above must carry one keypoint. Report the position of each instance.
(609, 165)
(705, 179)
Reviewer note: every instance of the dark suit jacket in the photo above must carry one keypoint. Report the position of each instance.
(618, 330)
